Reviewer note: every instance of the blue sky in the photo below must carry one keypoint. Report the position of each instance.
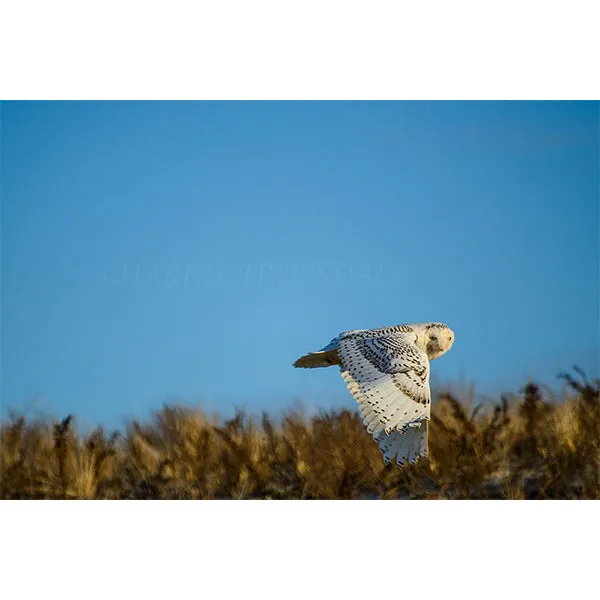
(153, 251)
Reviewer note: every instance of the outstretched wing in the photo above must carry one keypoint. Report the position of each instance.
(388, 375)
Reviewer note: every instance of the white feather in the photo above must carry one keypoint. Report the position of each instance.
(391, 401)
(387, 372)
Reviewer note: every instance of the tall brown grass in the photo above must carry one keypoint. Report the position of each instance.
(531, 445)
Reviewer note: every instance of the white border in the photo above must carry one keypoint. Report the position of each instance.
(302, 549)
(309, 49)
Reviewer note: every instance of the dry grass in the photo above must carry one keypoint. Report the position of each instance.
(529, 446)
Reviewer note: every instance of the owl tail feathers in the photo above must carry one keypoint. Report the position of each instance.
(313, 360)
(410, 446)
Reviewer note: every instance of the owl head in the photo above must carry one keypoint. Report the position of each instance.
(435, 339)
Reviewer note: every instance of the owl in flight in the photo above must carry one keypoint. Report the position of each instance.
(387, 372)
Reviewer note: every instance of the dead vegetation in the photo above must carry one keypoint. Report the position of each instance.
(530, 445)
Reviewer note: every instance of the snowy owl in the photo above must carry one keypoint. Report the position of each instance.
(387, 372)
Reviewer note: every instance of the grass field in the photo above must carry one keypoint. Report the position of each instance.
(528, 445)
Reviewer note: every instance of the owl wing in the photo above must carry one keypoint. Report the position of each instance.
(388, 375)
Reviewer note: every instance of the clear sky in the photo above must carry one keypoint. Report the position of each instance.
(194, 250)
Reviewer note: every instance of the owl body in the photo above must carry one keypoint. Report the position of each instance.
(387, 372)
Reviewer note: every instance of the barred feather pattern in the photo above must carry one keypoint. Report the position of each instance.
(387, 372)
(389, 378)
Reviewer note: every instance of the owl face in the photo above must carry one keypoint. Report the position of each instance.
(438, 340)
